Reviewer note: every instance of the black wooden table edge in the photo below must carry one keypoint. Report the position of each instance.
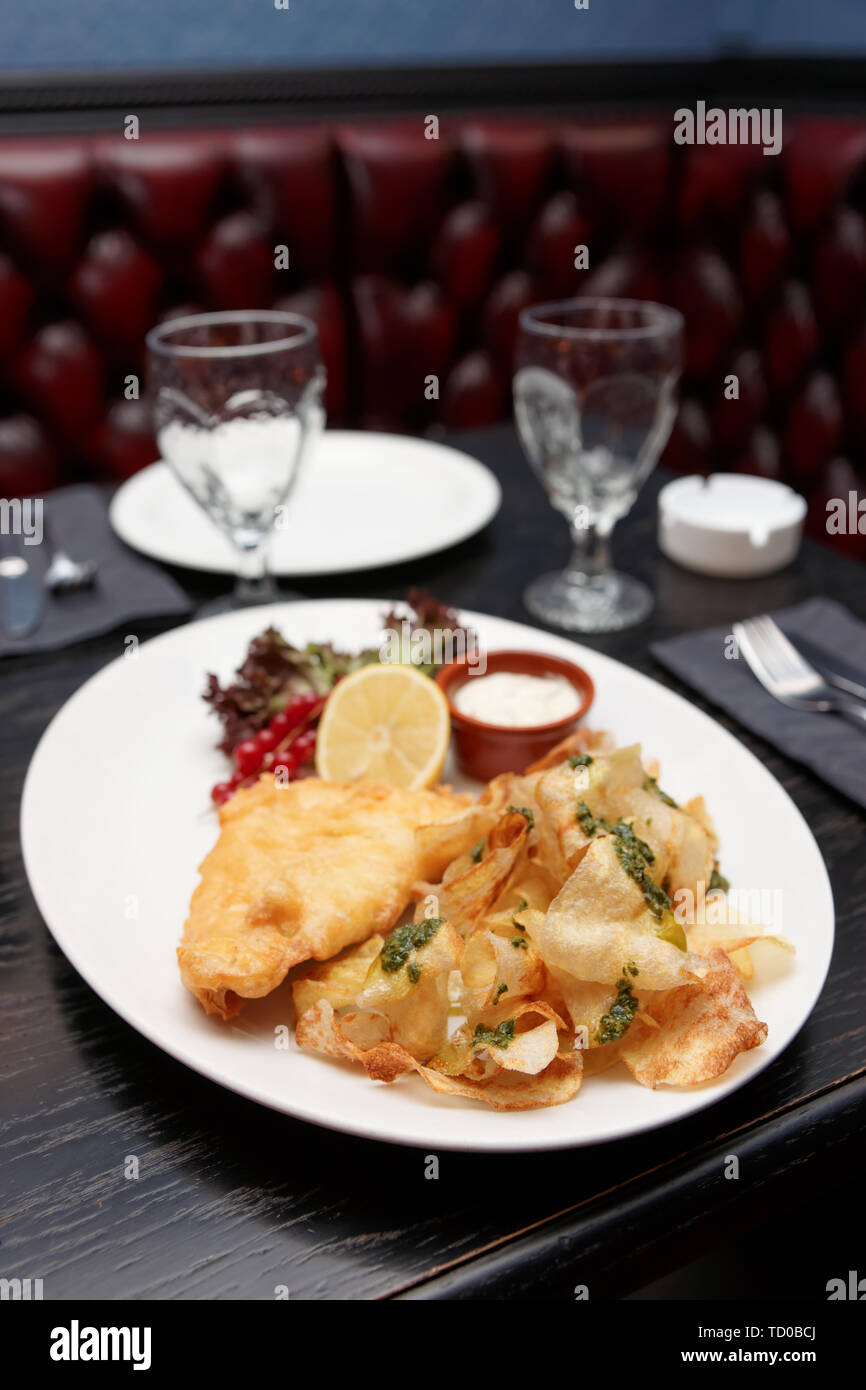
(631, 1219)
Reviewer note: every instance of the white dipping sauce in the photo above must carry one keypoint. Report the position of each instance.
(517, 701)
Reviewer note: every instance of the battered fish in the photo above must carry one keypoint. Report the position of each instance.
(299, 872)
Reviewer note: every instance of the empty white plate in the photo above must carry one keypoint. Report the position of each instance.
(115, 822)
(362, 500)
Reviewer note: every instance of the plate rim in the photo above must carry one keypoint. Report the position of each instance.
(122, 499)
(705, 1097)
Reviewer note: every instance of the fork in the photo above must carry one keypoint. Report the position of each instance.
(787, 676)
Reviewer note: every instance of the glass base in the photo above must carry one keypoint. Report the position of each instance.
(604, 603)
(246, 596)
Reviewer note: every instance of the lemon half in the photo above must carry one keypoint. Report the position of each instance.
(384, 723)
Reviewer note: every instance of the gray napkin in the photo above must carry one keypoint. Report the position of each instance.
(126, 586)
(829, 745)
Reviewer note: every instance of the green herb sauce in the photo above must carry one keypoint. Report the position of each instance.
(524, 811)
(718, 880)
(580, 760)
(617, 1021)
(500, 1036)
(651, 785)
(633, 853)
(403, 940)
(476, 853)
(521, 907)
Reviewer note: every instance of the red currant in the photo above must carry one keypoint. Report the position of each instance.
(279, 726)
(299, 707)
(221, 792)
(247, 757)
(266, 740)
(304, 745)
(286, 763)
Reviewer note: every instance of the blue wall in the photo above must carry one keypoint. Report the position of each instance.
(87, 34)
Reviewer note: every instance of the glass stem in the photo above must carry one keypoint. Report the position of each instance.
(590, 554)
(254, 582)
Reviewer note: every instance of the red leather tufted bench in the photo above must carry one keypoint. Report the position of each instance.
(415, 257)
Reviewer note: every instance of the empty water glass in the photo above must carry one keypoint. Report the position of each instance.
(236, 398)
(594, 399)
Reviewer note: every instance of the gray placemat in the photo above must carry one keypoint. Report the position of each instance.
(829, 745)
(126, 587)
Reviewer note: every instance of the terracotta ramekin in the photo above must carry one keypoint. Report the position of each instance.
(484, 750)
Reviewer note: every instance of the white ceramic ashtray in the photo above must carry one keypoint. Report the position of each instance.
(731, 525)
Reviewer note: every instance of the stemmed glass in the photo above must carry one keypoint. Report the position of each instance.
(236, 397)
(595, 399)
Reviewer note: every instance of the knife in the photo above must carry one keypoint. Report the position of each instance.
(840, 674)
(23, 599)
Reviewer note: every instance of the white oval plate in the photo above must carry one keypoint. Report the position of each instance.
(362, 500)
(114, 822)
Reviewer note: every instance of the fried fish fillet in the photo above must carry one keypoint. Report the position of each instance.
(299, 872)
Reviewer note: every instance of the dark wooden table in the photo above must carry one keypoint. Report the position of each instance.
(234, 1200)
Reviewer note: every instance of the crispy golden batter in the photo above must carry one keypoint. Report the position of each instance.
(299, 872)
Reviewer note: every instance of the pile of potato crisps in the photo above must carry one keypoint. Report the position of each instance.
(547, 922)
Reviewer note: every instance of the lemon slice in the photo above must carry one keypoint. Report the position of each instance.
(384, 724)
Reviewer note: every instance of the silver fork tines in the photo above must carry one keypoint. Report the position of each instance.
(786, 675)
